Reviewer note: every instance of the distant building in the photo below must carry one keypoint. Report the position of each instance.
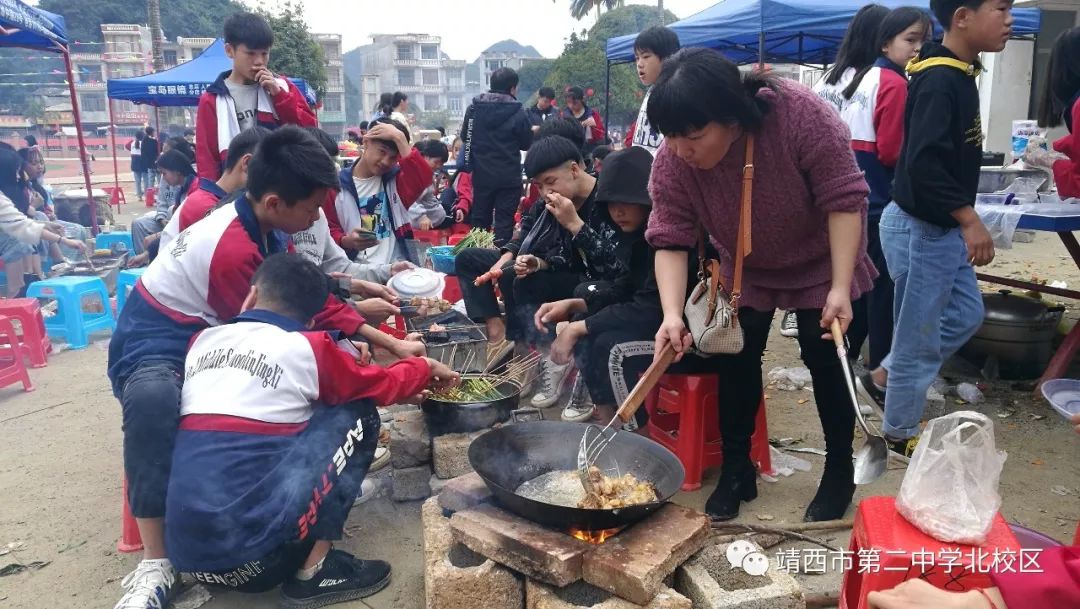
(332, 114)
(415, 65)
(125, 54)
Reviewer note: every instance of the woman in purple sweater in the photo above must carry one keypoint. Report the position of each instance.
(808, 246)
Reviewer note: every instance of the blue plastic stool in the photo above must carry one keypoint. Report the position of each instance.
(124, 284)
(104, 241)
(70, 321)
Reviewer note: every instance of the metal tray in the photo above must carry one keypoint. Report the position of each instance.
(464, 350)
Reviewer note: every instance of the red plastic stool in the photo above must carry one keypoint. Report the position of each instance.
(433, 237)
(452, 291)
(886, 550)
(455, 238)
(151, 193)
(683, 416)
(459, 229)
(34, 342)
(130, 539)
(15, 371)
(116, 196)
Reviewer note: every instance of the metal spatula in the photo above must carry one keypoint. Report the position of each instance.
(872, 459)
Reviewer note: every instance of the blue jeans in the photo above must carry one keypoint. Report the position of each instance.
(140, 179)
(150, 405)
(937, 308)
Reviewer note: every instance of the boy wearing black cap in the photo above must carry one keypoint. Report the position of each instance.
(606, 317)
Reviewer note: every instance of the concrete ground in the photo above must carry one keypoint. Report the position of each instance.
(60, 476)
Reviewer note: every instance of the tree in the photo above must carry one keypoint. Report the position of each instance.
(580, 8)
(531, 77)
(583, 62)
(157, 39)
(182, 18)
(295, 52)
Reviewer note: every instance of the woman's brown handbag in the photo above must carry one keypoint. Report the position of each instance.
(712, 314)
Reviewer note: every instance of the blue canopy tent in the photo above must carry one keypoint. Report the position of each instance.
(179, 86)
(805, 32)
(28, 27)
(782, 31)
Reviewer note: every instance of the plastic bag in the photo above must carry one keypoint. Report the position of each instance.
(950, 490)
(790, 379)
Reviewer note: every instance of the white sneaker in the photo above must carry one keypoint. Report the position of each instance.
(789, 325)
(580, 407)
(368, 488)
(150, 586)
(552, 384)
(381, 460)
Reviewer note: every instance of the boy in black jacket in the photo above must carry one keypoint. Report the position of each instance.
(562, 242)
(931, 234)
(618, 309)
(494, 132)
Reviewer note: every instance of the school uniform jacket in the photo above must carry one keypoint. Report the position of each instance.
(250, 389)
(875, 116)
(201, 280)
(214, 132)
(403, 185)
(196, 206)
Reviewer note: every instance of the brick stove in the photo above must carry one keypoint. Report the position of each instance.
(480, 556)
(553, 569)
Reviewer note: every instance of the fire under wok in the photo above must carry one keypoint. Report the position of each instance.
(510, 455)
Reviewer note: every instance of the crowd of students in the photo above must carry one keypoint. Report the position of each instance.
(250, 367)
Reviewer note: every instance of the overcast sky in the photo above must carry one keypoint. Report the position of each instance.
(467, 27)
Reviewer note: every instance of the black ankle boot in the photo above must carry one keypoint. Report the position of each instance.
(834, 493)
(738, 483)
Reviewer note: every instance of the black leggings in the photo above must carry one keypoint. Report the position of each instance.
(874, 311)
(522, 297)
(741, 386)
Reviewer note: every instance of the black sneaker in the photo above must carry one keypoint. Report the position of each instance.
(864, 385)
(342, 578)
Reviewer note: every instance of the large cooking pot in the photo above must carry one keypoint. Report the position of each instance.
(1018, 331)
(445, 417)
(513, 454)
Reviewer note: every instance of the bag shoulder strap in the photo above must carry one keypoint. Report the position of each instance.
(743, 244)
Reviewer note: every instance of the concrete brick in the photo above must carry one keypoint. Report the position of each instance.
(711, 583)
(464, 492)
(450, 454)
(530, 549)
(455, 577)
(411, 483)
(437, 484)
(410, 444)
(634, 563)
(581, 594)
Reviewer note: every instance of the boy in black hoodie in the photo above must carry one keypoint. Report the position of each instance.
(494, 132)
(931, 234)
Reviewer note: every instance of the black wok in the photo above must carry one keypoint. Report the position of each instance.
(510, 455)
(445, 417)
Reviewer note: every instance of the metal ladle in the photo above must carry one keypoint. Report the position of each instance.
(595, 439)
(872, 459)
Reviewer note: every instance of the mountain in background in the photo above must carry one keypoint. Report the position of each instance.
(513, 46)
